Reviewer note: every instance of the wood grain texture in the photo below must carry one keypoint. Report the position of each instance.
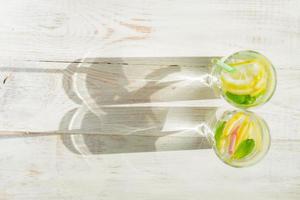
(66, 66)
(68, 29)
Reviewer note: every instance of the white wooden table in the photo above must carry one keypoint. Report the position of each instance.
(46, 45)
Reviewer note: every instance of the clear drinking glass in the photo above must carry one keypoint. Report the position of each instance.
(244, 79)
(239, 138)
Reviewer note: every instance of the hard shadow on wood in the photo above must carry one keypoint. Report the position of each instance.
(121, 99)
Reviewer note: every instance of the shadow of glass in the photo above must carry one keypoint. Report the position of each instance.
(132, 104)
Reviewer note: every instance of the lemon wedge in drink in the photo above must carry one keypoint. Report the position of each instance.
(248, 79)
(233, 122)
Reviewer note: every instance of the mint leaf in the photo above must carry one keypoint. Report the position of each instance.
(219, 132)
(250, 99)
(244, 149)
(241, 99)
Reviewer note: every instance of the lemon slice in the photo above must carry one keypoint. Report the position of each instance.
(241, 121)
(256, 133)
(243, 131)
(233, 122)
(247, 79)
(229, 126)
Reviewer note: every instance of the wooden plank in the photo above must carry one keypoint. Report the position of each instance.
(44, 168)
(67, 30)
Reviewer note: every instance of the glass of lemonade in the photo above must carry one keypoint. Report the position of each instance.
(240, 138)
(244, 79)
